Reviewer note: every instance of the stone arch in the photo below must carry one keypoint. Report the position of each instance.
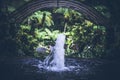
(23, 12)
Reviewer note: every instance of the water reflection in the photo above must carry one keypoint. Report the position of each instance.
(80, 69)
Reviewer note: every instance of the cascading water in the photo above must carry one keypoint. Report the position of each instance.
(55, 61)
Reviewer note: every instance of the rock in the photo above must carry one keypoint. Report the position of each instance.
(41, 50)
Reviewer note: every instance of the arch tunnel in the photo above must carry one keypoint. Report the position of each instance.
(90, 13)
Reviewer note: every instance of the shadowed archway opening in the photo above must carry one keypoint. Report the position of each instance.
(41, 21)
(37, 23)
(91, 14)
(83, 38)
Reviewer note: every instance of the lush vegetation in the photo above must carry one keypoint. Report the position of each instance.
(83, 37)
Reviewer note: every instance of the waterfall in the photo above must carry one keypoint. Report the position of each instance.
(55, 61)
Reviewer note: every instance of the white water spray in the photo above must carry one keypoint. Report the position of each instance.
(55, 61)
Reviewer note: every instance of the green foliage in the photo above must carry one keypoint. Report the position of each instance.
(42, 18)
(83, 38)
(34, 32)
(29, 42)
(70, 16)
(82, 34)
(90, 35)
(103, 10)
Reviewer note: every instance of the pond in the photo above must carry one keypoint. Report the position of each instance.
(26, 68)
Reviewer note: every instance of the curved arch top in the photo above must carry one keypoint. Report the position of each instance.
(91, 14)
